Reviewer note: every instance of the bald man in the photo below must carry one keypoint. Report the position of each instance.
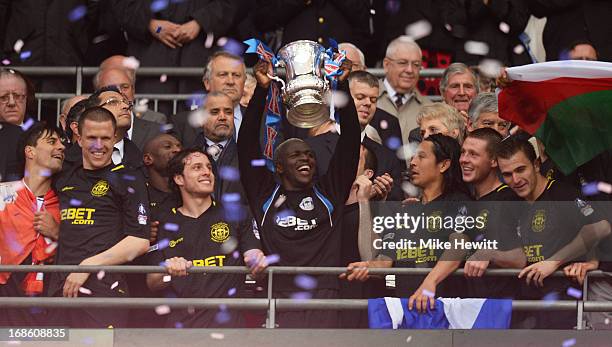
(156, 154)
(354, 54)
(66, 106)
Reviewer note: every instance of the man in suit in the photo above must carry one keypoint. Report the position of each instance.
(9, 167)
(141, 130)
(398, 95)
(364, 90)
(119, 62)
(226, 73)
(217, 139)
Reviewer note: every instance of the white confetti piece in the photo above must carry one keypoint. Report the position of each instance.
(407, 151)
(85, 291)
(604, 187)
(131, 63)
(222, 41)
(210, 38)
(280, 200)
(166, 278)
(162, 310)
(272, 259)
(428, 294)
(410, 189)
(231, 292)
(18, 46)
(229, 246)
(100, 275)
(100, 38)
(163, 78)
(114, 285)
(491, 68)
(6, 62)
(504, 27)
(409, 339)
(384, 124)
(197, 118)
(476, 47)
(258, 162)
(518, 49)
(217, 336)
(569, 342)
(340, 98)
(418, 30)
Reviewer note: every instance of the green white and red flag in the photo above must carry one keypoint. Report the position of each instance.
(566, 104)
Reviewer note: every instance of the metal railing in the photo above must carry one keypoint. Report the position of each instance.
(270, 303)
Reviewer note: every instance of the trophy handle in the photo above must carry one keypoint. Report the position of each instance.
(278, 79)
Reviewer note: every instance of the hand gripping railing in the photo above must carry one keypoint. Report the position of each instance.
(270, 303)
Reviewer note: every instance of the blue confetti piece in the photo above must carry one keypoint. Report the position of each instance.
(158, 30)
(230, 197)
(272, 259)
(45, 173)
(25, 55)
(394, 143)
(229, 173)
(75, 202)
(551, 297)
(171, 227)
(236, 255)
(305, 282)
(258, 162)
(163, 244)
(223, 317)
(129, 178)
(301, 296)
(590, 189)
(574, 292)
(284, 213)
(164, 128)
(159, 5)
(569, 342)
(234, 47)
(479, 237)
(28, 123)
(178, 325)
(77, 13)
(131, 190)
(231, 292)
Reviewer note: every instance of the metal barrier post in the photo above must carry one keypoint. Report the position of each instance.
(581, 322)
(79, 80)
(271, 319)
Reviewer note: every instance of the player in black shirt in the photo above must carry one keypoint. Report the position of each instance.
(201, 233)
(103, 222)
(555, 228)
(299, 219)
(494, 204)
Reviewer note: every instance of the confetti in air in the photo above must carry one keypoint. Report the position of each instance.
(77, 13)
(383, 124)
(141, 106)
(340, 98)
(229, 246)
(258, 162)
(163, 244)
(166, 278)
(18, 46)
(162, 310)
(428, 294)
(236, 255)
(131, 190)
(114, 285)
(231, 292)
(217, 336)
(100, 38)
(418, 30)
(272, 259)
(6, 62)
(197, 118)
(164, 128)
(394, 143)
(229, 173)
(410, 189)
(210, 38)
(519, 49)
(569, 342)
(230, 197)
(408, 339)
(407, 151)
(100, 275)
(305, 282)
(84, 290)
(178, 325)
(490, 68)
(158, 30)
(75, 202)
(171, 227)
(279, 201)
(131, 63)
(163, 78)
(574, 292)
(504, 27)
(476, 47)
(159, 5)
(301, 296)
(28, 123)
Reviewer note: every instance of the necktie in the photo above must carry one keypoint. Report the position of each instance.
(215, 150)
(116, 156)
(399, 100)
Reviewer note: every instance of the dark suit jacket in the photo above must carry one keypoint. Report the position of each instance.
(228, 160)
(392, 130)
(143, 131)
(9, 166)
(324, 145)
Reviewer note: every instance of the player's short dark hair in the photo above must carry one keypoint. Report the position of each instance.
(95, 97)
(364, 77)
(176, 165)
(447, 148)
(281, 150)
(31, 136)
(512, 145)
(490, 136)
(96, 114)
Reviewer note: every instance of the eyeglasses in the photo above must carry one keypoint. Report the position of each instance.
(402, 63)
(4, 99)
(114, 102)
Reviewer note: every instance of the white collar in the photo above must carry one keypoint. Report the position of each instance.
(337, 126)
(392, 92)
(120, 146)
(211, 143)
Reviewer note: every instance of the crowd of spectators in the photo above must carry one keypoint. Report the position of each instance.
(118, 183)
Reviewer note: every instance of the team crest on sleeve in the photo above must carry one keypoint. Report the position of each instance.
(219, 232)
(100, 188)
(142, 214)
(538, 223)
(584, 207)
(307, 204)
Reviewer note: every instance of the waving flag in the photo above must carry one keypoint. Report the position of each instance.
(393, 313)
(565, 104)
